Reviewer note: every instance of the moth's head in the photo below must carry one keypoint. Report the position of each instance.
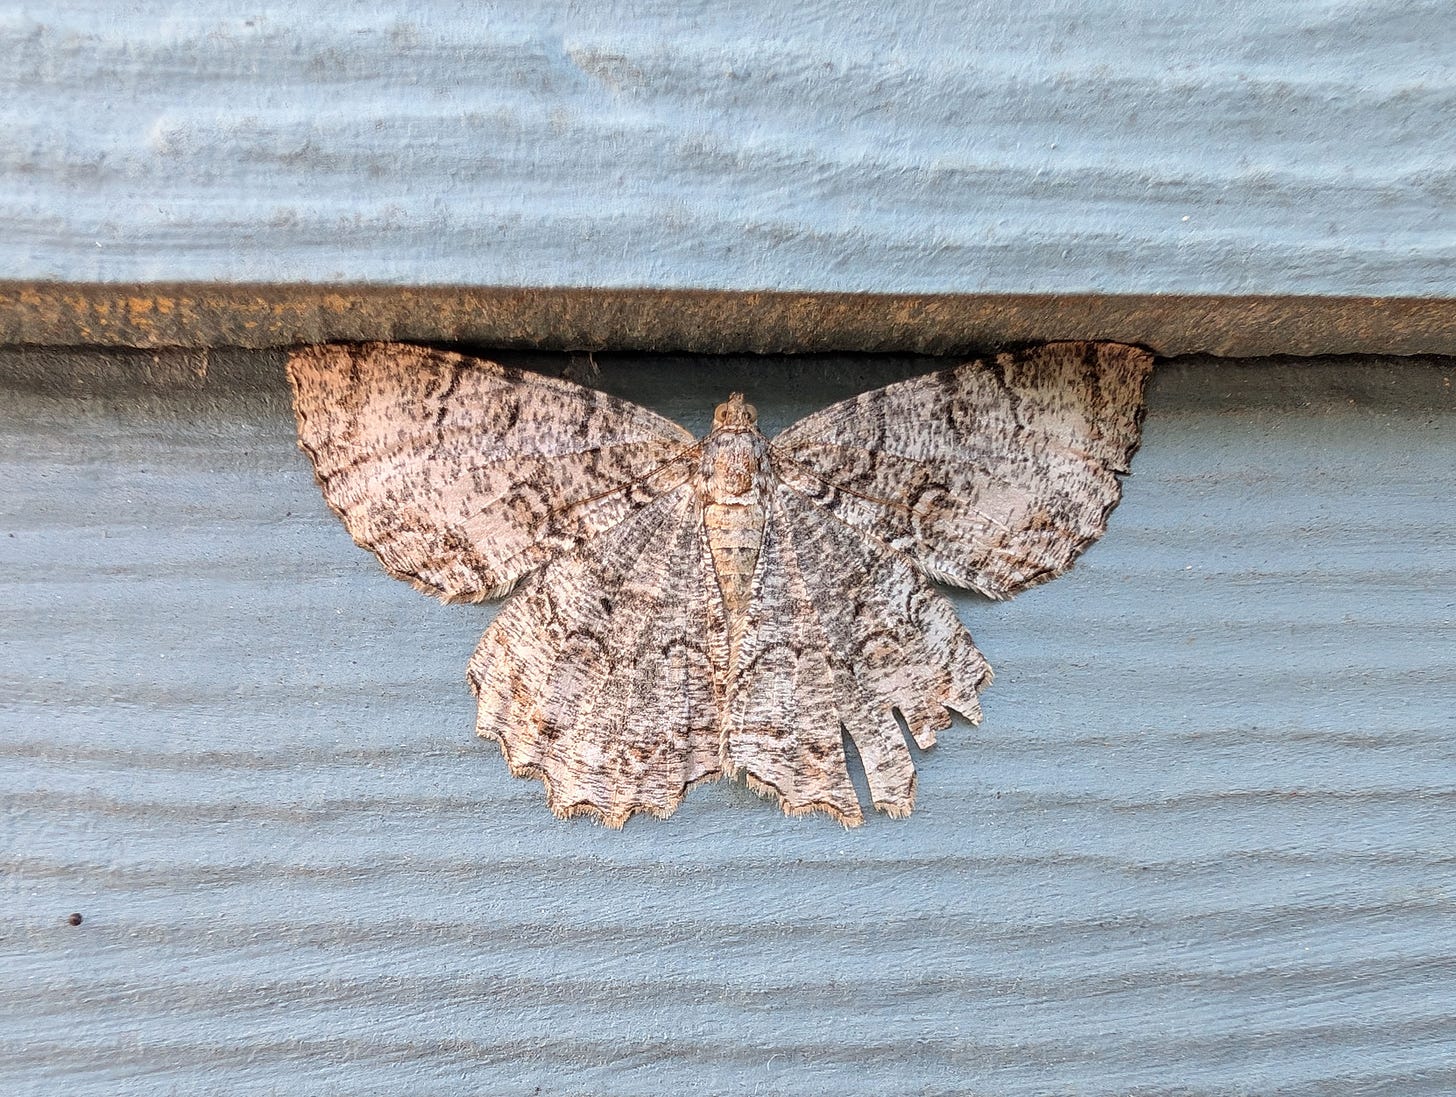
(735, 414)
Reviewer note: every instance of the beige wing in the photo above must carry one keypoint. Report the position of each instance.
(603, 675)
(841, 631)
(993, 476)
(463, 475)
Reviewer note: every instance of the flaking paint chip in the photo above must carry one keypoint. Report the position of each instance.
(731, 605)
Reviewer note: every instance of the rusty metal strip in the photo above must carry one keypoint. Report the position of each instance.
(201, 314)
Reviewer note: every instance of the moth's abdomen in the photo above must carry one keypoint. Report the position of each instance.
(735, 532)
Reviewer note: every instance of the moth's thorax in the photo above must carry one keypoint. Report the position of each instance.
(733, 465)
(732, 487)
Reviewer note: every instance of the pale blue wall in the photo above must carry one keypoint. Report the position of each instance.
(1129, 145)
(1202, 844)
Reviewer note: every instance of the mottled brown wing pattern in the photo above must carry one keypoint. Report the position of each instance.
(842, 631)
(730, 605)
(603, 674)
(463, 475)
(993, 476)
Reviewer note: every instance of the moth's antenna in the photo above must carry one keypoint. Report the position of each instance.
(582, 368)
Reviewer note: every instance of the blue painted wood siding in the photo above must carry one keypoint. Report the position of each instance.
(1293, 147)
(1202, 843)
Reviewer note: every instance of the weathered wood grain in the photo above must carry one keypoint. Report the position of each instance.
(170, 315)
(1296, 147)
(1202, 842)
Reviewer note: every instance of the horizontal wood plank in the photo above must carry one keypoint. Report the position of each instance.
(168, 316)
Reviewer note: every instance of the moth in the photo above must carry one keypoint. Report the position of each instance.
(690, 608)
